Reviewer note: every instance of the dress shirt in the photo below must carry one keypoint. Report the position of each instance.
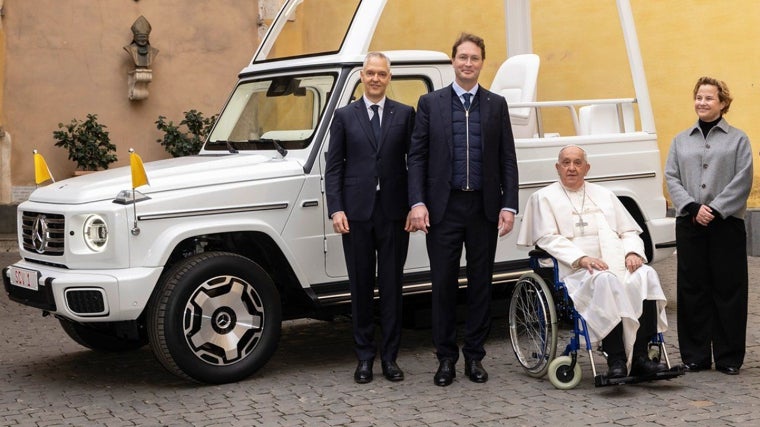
(368, 104)
(460, 92)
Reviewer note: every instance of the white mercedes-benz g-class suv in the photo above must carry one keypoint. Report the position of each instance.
(205, 262)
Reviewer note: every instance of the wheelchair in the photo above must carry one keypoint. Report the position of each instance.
(536, 310)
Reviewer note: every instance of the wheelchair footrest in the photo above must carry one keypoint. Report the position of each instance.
(601, 380)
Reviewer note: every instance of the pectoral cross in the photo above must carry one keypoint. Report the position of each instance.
(580, 224)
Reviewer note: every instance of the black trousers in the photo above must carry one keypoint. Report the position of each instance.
(613, 344)
(712, 291)
(382, 243)
(464, 224)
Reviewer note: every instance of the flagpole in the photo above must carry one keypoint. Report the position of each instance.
(135, 229)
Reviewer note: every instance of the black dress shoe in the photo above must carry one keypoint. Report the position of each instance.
(617, 369)
(643, 366)
(728, 370)
(445, 374)
(363, 373)
(695, 367)
(392, 372)
(474, 370)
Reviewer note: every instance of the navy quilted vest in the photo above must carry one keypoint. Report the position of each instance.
(466, 169)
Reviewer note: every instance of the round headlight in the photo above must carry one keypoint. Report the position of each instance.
(95, 233)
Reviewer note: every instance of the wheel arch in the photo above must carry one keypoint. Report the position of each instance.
(260, 248)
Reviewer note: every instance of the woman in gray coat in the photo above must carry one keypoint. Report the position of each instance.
(709, 177)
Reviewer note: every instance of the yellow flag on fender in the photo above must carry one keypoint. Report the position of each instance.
(139, 177)
(41, 170)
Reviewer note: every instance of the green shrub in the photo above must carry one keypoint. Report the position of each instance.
(179, 143)
(88, 143)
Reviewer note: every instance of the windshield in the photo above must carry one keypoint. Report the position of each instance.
(282, 110)
(314, 27)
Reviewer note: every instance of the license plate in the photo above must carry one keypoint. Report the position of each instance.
(28, 279)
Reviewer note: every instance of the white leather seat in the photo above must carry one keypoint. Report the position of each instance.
(603, 118)
(516, 81)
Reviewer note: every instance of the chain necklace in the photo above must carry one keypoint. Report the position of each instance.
(580, 224)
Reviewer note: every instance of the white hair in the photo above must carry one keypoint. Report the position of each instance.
(559, 156)
(376, 54)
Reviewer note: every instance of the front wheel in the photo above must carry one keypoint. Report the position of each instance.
(215, 318)
(564, 374)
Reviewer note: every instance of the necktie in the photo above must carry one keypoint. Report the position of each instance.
(466, 96)
(375, 121)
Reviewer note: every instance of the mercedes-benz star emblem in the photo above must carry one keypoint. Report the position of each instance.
(40, 234)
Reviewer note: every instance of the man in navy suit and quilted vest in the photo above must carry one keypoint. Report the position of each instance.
(463, 192)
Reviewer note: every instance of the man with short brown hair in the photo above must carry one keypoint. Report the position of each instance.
(463, 191)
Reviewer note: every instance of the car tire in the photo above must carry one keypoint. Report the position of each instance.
(215, 318)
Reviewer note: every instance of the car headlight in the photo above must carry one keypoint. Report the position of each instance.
(95, 233)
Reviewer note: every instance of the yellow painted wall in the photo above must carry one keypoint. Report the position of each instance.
(680, 41)
(583, 54)
(706, 38)
(417, 25)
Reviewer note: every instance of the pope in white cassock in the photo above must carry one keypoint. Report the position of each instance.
(601, 260)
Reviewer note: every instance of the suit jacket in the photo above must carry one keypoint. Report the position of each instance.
(356, 162)
(431, 153)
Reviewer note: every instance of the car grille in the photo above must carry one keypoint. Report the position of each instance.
(43, 233)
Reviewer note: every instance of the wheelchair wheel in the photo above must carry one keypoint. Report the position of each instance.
(562, 376)
(533, 324)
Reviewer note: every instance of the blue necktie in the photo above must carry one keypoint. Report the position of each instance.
(375, 121)
(467, 96)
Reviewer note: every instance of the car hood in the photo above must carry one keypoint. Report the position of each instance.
(166, 175)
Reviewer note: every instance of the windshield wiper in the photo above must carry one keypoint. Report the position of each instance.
(276, 143)
(233, 149)
(230, 147)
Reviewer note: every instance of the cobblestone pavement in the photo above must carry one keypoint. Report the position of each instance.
(48, 380)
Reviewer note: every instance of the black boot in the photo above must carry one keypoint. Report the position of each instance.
(642, 366)
(612, 344)
(617, 369)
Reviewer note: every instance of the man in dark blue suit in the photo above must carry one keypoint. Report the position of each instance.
(463, 189)
(366, 188)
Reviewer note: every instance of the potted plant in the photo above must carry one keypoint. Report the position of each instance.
(88, 143)
(179, 143)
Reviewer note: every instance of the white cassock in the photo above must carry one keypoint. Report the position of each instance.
(592, 222)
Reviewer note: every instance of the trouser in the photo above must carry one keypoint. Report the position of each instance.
(383, 243)
(712, 291)
(464, 223)
(613, 345)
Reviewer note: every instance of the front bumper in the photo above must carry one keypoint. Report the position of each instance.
(84, 295)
